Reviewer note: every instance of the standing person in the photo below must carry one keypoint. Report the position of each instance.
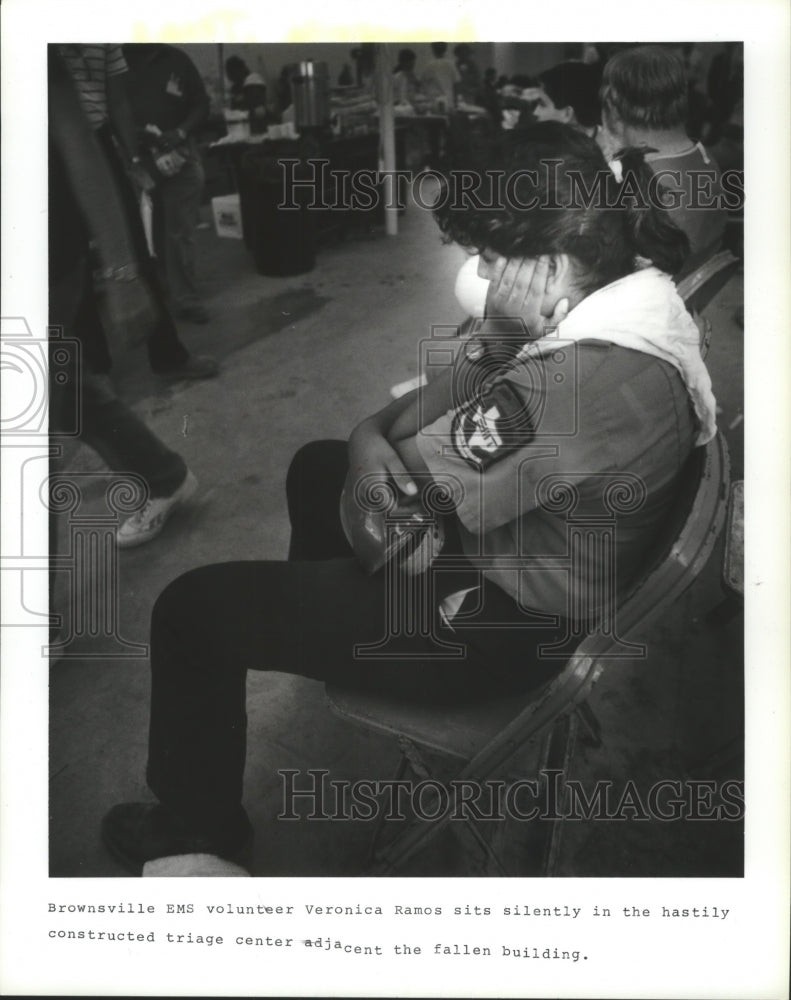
(407, 90)
(406, 86)
(169, 103)
(237, 71)
(568, 92)
(440, 77)
(100, 75)
(283, 97)
(489, 97)
(85, 210)
(644, 104)
(643, 400)
(255, 101)
(364, 57)
(469, 75)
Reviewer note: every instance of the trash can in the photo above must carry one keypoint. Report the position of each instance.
(282, 241)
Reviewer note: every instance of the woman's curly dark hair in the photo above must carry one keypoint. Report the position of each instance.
(547, 189)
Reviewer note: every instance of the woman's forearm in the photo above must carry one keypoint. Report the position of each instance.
(383, 419)
(426, 404)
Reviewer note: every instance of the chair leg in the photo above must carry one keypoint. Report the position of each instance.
(388, 859)
(470, 827)
(370, 856)
(556, 755)
(483, 764)
(562, 739)
(590, 724)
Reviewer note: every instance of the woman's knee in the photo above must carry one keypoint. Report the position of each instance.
(188, 598)
(314, 462)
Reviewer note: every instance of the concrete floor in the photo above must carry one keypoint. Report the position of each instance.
(308, 357)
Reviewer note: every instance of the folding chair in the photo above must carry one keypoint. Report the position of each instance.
(486, 736)
(699, 288)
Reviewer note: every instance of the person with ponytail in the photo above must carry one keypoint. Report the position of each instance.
(433, 556)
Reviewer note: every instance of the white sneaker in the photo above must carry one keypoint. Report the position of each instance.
(147, 522)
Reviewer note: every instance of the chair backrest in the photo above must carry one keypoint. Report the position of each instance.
(699, 288)
(680, 552)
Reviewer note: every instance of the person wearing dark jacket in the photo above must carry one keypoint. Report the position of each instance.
(169, 103)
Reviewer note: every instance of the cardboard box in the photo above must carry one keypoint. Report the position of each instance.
(227, 216)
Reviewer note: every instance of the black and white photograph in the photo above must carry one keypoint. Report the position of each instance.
(379, 496)
(574, 515)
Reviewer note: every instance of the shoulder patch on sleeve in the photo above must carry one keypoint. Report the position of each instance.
(493, 424)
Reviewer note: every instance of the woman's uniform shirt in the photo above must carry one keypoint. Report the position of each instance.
(609, 425)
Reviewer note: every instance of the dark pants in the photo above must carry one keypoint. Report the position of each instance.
(304, 617)
(105, 422)
(178, 198)
(165, 350)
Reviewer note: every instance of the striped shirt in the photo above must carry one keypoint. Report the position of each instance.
(90, 66)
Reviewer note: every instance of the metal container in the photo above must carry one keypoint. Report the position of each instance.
(311, 94)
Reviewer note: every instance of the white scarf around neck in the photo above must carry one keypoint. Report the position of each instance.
(644, 312)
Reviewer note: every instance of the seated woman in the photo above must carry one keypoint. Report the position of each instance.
(616, 394)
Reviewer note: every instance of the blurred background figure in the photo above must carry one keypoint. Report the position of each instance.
(469, 88)
(237, 71)
(440, 78)
(99, 74)
(644, 103)
(406, 85)
(98, 297)
(364, 57)
(489, 97)
(569, 93)
(408, 93)
(254, 98)
(283, 90)
(169, 102)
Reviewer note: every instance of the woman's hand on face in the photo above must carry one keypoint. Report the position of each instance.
(371, 454)
(521, 293)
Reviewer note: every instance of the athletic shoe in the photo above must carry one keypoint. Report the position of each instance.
(147, 522)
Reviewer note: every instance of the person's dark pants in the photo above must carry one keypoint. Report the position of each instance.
(304, 617)
(165, 350)
(106, 423)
